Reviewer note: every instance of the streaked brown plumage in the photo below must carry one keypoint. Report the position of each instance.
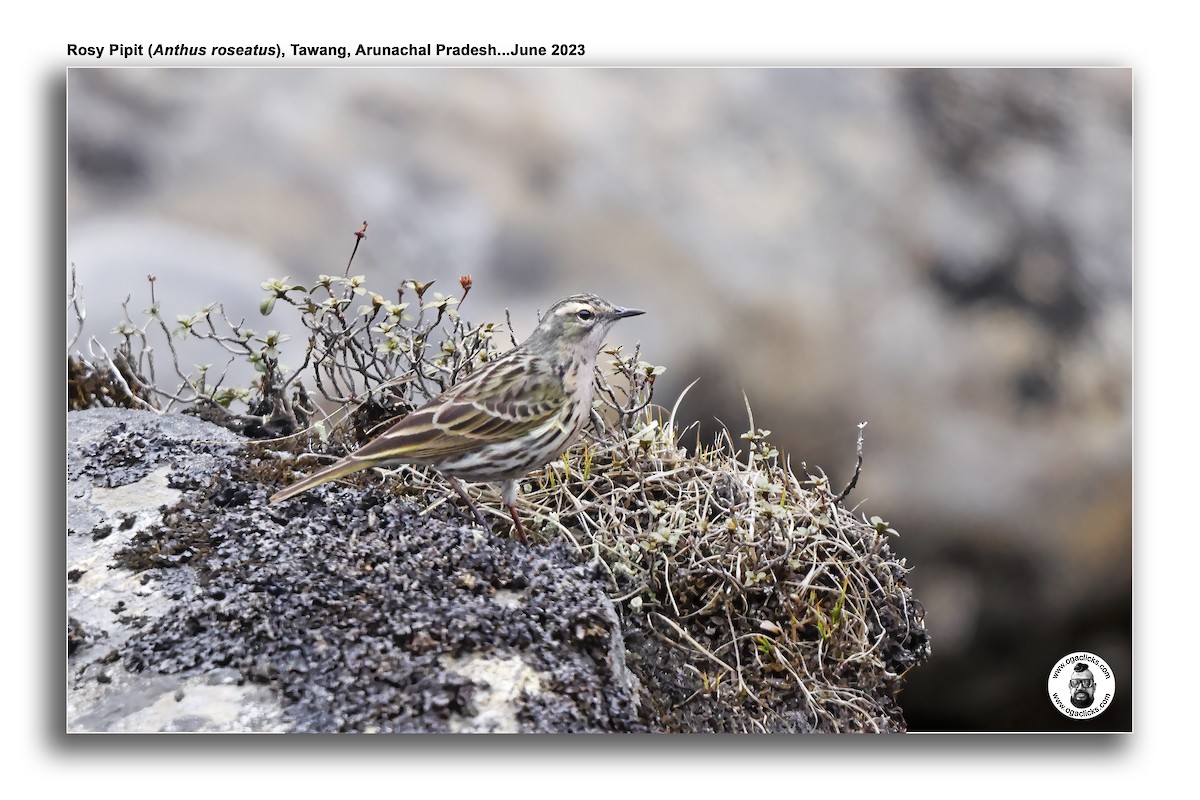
(507, 418)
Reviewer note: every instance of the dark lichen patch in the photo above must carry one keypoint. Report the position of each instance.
(129, 449)
(108, 466)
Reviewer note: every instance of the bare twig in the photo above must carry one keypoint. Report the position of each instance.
(857, 468)
(359, 235)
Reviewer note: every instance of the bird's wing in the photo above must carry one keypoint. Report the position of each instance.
(503, 401)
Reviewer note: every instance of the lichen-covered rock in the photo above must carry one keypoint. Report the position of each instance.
(194, 606)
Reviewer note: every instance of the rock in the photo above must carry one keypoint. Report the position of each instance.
(194, 607)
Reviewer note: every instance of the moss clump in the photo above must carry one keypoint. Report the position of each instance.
(780, 602)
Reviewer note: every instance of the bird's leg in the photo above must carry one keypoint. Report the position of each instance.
(508, 495)
(520, 529)
(462, 492)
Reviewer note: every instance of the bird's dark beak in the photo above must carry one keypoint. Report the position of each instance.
(621, 313)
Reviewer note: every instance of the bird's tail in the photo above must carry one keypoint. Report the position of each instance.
(332, 472)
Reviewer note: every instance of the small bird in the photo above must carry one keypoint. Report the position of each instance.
(509, 417)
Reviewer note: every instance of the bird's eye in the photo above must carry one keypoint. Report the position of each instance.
(585, 314)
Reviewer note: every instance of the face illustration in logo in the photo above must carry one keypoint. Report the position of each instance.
(1083, 686)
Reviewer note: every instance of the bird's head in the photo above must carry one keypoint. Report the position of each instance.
(581, 320)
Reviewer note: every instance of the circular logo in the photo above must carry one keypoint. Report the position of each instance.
(1081, 685)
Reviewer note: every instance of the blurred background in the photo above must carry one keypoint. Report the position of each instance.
(946, 254)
